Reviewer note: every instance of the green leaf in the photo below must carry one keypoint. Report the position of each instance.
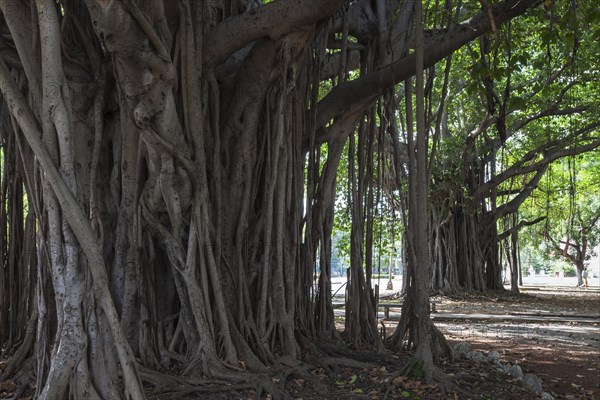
(405, 394)
(353, 378)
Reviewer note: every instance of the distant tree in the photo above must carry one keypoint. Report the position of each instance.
(530, 102)
(570, 199)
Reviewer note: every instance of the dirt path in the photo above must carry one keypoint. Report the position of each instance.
(552, 333)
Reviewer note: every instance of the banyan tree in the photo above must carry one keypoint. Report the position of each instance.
(169, 177)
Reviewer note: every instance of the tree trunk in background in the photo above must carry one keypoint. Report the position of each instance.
(415, 321)
(465, 250)
(513, 256)
(418, 214)
(579, 266)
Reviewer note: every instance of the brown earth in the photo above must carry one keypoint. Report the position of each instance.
(565, 354)
(564, 351)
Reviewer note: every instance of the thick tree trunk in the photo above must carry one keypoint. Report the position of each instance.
(512, 257)
(579, 266)
(465, 250)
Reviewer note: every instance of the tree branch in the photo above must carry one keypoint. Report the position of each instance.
(552, 151)
(564, 252)
(518, 227)
(376, 83)
(540, 167)
(553, 111)
(332, 65)
(272, 20)
(513, 205)
(592, 222)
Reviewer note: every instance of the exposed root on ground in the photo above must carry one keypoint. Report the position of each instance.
(445, 384)
(176, 387)
(327, 358)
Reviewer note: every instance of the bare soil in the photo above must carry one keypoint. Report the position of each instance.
(564, 354)
(553, 333)
(563, 351)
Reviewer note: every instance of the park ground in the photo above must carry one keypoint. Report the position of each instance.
(552, 332)
(548, 330)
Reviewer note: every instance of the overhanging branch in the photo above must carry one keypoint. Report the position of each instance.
(377, 82)
(552, 151)
(540, 168)
(548, 113)
(518, 227)
(273, 20)
(514, 204)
